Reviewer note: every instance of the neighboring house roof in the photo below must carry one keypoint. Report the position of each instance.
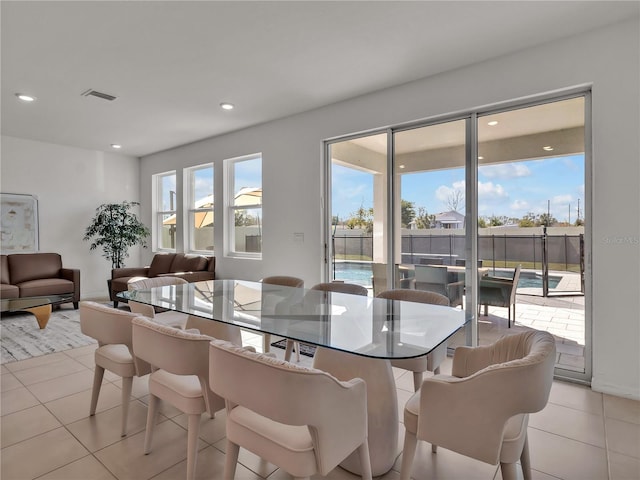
(450, 217)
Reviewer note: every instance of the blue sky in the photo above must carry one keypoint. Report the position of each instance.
(509, 189)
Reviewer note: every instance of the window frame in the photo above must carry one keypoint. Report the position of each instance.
(159, 212)
(190, 211)
(230, 208)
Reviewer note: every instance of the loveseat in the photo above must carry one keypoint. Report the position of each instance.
(192, 268)
(37, 274)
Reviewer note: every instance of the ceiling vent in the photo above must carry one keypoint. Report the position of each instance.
(95, 93)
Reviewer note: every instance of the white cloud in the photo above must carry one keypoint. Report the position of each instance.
(505, 171)
(489, 190)
(520, 206)
(562, 199)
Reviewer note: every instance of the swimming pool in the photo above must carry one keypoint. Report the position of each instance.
(361, 273)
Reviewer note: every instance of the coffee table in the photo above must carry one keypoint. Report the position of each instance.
(38, 306)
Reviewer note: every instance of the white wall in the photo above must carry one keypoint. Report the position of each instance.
(608, 59)
(70, 183)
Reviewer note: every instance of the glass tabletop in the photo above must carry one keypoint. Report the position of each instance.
(18, 304)
(361, 325)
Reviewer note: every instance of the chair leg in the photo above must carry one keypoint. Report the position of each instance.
(525, 460)
(509, 471)
(127, 383)
(98, 375)
(434, 448)
(288, 350)
(417, 380)
(266, 342)
(193, 429)
(152, 419)
(231, 460)
(408, 453)
(365, 460)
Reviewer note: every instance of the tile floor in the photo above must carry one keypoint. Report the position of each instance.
(47, 434)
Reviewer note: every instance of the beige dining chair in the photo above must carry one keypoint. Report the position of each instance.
(433, 359)
(112, 329)
(301, 419)
(170, 317)
(180, 362)
(482, 409)
(339, 287)
(285, 281)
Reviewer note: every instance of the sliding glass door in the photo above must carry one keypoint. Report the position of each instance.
(446, 205)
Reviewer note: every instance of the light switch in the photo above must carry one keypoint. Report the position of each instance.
(298, 237)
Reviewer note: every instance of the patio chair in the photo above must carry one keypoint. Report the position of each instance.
(499, 292)
(436, 279)
(482, 409)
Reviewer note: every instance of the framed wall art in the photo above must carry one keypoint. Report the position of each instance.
(18, 223)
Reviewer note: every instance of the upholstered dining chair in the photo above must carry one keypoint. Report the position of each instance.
(339, 287)
(112, 329)
(285, 281)
(482, 409)
(180, 362)
(170, 317)
(301, 419)
(433, 359)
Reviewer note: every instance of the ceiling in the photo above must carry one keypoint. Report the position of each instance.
(171, 63)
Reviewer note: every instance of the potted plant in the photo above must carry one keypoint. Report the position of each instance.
(115, 228)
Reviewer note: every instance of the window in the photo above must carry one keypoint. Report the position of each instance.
(244, 206)
(199, 194)
(165, 207)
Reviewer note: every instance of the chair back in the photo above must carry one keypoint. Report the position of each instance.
(341, 287)
(418, 296)
(145, 284)
(335, 412)
(431, 261)
(432, 278)
(110, 326)
(284, 281)
(516, 278)
(510, 377)
(219, 330)
(175, 351)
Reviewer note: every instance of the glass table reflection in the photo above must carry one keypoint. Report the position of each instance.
(356, 336)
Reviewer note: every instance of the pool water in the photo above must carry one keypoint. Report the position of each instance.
(360, 273)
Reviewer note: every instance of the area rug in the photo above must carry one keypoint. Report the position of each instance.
(21, 338)
(307, 350)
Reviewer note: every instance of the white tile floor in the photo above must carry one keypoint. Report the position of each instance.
(47, 434)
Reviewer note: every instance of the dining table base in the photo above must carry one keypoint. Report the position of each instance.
(382, 404)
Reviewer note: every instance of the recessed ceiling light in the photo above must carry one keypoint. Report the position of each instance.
(227, 106)
(492, 123)
(25, 98)
(480, 158)
(116, 146)
(400, 166)
(548, 148)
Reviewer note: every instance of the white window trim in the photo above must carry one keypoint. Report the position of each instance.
(230, 208)
(158, 214)
(188, 187)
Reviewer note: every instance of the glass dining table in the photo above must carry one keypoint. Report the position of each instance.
(355, 336)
